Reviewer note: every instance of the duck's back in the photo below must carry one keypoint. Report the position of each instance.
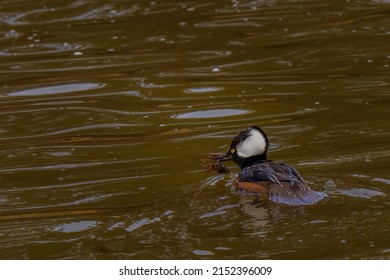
(281, 182)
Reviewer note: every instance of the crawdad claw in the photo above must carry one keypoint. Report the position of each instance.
(205, 162)
(217, 156)
(214, 165)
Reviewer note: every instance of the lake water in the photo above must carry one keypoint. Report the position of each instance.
(106, 108)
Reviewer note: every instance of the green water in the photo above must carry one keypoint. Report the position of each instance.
(106, 108)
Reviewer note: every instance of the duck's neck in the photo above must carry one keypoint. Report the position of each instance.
(251, 160)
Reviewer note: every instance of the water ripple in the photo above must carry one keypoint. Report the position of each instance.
(205, 114)
(57, 89)
(102, 125)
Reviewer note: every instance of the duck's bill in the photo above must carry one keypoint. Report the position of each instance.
(219, 157)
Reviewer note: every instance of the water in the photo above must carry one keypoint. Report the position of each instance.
(107, 107)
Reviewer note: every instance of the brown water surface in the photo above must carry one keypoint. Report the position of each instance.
(107, 106)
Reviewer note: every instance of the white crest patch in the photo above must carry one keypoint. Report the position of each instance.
(254, 144)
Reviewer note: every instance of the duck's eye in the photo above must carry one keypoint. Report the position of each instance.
(232, 151)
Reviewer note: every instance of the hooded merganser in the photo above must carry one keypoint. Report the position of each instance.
(277, 180)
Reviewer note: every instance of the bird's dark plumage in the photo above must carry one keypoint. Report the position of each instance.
(281, 182)
(277, 180)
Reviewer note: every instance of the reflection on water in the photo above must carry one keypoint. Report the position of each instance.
(361, 192)
(203, 89)
(106, 109)
(58, 89)
(211, 114)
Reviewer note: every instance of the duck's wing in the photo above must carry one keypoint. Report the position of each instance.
(296, 194)
(294, 190)
(258, 173)
(284, 183)
(282, 192)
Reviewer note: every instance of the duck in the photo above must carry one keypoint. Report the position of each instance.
(276, 180)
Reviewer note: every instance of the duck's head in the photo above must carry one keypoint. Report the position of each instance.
(248, 147)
